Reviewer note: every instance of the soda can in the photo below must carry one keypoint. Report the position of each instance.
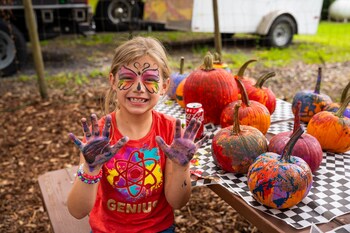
(195, 110)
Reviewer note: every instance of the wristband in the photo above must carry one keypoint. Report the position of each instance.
(86, 178)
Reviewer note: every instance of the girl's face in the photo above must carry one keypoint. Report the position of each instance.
(139, 85)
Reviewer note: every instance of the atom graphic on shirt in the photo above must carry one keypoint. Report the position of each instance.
(133, 175)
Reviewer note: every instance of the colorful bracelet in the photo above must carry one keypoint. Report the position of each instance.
(86, 178)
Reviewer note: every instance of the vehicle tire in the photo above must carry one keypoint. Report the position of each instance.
(116, 15)
(13, 49)
(281, 32)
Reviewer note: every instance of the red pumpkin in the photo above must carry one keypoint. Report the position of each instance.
(307, 147)
(262, 94)
(234, 148)
(251, 113)
(280, 181)
(312, 102)
(213, 88)
(244, 79)
(332, 130)
(175, 80)
(333, 107)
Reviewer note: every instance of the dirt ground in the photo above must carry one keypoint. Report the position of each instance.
(33, 138)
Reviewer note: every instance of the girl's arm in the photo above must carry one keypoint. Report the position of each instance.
(82, 196)
(179, 154)
(177, 184)
(95, 152)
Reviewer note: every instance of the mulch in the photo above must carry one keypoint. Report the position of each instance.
(33, 138)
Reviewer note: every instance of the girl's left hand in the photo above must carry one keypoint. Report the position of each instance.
(182, 149)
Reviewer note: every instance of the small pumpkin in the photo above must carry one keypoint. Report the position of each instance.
(218, 64)
(280, 180)
(333, 107)
(262, 94)
(234, 148)
(213, 88)
(307, 147)
(180, 93)
(332, 130)
(312, 102)
(251, 113)
(175, 79)
(244, 79)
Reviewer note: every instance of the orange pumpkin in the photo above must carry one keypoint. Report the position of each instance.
(332, 130)
(251, 113)
(180, 93)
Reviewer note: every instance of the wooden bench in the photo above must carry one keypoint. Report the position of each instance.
(55, 186)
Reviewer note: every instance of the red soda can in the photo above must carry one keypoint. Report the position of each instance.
(195, 110)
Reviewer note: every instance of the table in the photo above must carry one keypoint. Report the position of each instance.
(327, 204)
(55, 185)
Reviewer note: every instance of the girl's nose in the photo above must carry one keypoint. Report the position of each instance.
(139, 87)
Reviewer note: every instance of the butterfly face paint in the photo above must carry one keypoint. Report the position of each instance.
(139, 75)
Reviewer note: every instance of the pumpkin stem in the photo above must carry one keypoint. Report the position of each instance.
(236, 129)
(244, 94)
(343, 106)
(344, 93)
(244, 67)
(318, 83)
(287, 151)
(182, 62)
(297, 117)
(217, 57)
(263, 79)
(208, 62)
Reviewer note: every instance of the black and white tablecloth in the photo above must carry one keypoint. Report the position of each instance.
(328, 198)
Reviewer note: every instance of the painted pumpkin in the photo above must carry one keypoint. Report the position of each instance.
(213, 88)
(333, 107)
(332, 130)
(262, 94)
(280, 181)
(180, 93)
(307, 147)
(251, 113)
(312, 102)
(234, 148)
(175, 80)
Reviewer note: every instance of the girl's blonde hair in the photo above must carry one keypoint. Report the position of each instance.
(132, 50)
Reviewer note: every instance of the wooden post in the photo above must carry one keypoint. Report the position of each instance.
(34, 40)
(217, 34)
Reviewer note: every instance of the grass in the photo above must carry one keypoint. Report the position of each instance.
(329, 45)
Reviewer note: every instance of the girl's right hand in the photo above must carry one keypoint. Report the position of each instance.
(97, 149)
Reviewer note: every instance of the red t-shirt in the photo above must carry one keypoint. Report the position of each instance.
(130, 195)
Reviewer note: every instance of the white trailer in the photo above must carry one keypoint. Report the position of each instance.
(274, 20)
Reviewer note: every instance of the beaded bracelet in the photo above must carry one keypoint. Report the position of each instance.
(86, 178)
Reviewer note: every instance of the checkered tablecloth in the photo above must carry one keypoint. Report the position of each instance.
(328, 198)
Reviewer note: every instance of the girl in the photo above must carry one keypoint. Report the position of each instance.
(134, 165)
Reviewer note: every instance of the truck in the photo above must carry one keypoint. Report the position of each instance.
(53, 17)
(275, 21)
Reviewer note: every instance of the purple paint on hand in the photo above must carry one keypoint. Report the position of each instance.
(182, 149)
(97, 149)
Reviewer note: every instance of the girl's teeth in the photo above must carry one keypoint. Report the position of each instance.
(137, 100)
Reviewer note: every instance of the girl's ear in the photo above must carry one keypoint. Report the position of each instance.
(112, 81)
(166, 84)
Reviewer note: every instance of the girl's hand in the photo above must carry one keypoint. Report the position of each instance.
(97, 149)
(182, 149)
